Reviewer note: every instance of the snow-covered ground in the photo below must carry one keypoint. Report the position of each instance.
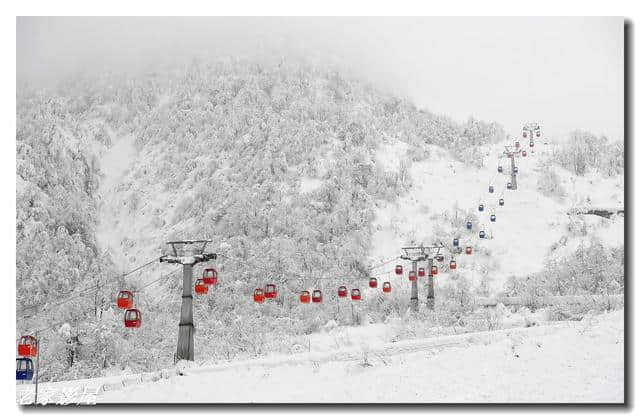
(557, 362)
(565, 362)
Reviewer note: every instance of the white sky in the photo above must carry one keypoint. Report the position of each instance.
(566, 73)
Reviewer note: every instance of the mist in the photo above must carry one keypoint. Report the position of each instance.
(566, 73)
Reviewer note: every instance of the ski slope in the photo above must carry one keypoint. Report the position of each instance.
(563, 362)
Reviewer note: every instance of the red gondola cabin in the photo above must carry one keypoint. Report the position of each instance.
(524, 153)
(468, 250)
(373, 283)
(355, 294)
(258, 295)
(386, 286)
(517, 144)
(342, 291)
(452, 264)
(398, 269)
(305, 297)
(28, 346)
(524, 134)
(270, 291)
(316, 297)
(412, 276)
(210, 276)
(125, 300)
(421, 272)
(201, 287)
(132, 318)
(434, 270)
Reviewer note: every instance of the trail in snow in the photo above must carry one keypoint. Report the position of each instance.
(567, 362)
(114, 165)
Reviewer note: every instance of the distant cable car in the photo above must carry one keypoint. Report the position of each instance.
(509, 185)
(499, 169)
(481, 234)
(270, 291)
(210, 276)
(200, 287)
(515, 169)
(517, 144)
(355, 294)
(501, 202)
(316, 297)
(481, 207)
(469, 225)
(493, 218)
(28, 346)
(398, 269)
(24, 369)
(531, 144)
(412, 276)
(524, 153)
(456, 242)
(305, 297)
(258, 295)
(132, 318)
(468, 250)
(440, 258)
(434, 270)
(342, 291)
(524, 134)
(386, 286)
(537, 133)
(452, 264)
(125, 300)
(510, 155)
(490, 189)
(373, 283)
(421, 272)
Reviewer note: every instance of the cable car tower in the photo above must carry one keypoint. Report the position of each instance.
(511, 152)
(420, 254)
(187, 253)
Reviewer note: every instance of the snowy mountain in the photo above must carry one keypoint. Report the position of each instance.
(302, 177)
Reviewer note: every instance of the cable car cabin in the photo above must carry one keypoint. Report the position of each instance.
(270, 291)
(132, 318)
(456, 242)
(316, 297)
(210, 276)
(517, 144)
(386, 286)
(537, 133)
(481, 234)
(125, 300)
(342, 291)
(452, 264)
(469, 225)
(509, 185)
(305, 297)
(480, 207)
(524, 153)
(412, 276)
(24, 369)
(493, 218)
(524, 134)
(440, 258)
(515, 169)
(201, 287)
(258, 295)
(499, 169)
(468, 250)
(355, 294)
(398, 269)
(434, 270)
(490, 189)
(28, 346)
(531, 144)
(510, 155)
(373, 283)
(421, 272)
(501, 202)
